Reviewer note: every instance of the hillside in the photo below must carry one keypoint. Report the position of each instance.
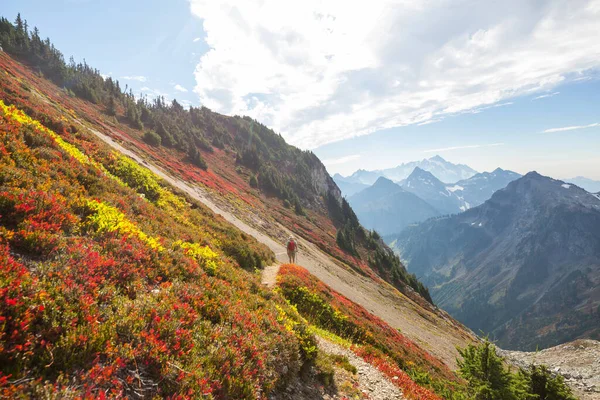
(387, 208)
(524, 266)
(114, 250)
(245, 166)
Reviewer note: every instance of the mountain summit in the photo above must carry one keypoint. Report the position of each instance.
(425, 185)
(388, 208)
(524, 266)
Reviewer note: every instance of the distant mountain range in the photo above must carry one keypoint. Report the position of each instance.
(443, 170)
(388, 208)
(523, 266)
(590, 185)
(347, 186)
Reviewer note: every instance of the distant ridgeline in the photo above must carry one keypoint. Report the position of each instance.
(524, 266)
(296, 177)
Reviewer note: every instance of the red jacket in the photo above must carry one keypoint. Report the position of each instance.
(291, 246)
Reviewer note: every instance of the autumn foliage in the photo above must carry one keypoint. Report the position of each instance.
(379, 344)
(112, 284)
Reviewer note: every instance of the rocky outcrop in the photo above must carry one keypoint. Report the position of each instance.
(578, 362)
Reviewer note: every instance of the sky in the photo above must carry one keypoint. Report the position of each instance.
(511, 84)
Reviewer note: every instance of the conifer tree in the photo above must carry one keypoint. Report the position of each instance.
(483, 369)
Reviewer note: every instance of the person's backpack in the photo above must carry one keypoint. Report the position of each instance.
(291, 246)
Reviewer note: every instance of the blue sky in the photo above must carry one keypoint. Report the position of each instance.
(146, 44)
(364, 84)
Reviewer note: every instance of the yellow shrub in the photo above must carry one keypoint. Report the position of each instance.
(109, 219)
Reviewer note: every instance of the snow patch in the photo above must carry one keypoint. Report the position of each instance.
(455, 188)
(480, 224)
(596, 195)
(565, 185)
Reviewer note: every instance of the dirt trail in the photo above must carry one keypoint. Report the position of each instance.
(269, 275)
(435, 332)
(372, 382)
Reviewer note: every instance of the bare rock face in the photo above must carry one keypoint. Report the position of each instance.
(578, 362)
(323, 183)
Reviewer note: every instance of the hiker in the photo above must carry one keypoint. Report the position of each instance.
(292, 248)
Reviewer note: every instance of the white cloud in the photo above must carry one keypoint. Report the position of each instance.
(138, 78)
(472, 146)
(180, 88)
(196, 39)
(325, 70)
(571, 128)
(342, 160)
(543, 96)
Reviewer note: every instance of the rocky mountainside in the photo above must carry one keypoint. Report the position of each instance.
(443, 170)
(387, 208)
(590, 185)
(427, 187)
(578, 362)
(524, 266)
(347, 186)
(480, 187)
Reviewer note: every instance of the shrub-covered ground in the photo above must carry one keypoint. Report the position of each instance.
(112, 284)
(416, 372)
(238, 159)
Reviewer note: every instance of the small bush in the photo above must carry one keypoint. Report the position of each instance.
(152, 138)
(196, 158)
(253, 181)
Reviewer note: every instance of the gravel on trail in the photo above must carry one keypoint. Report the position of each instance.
(371, 381)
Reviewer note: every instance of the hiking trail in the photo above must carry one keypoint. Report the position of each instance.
(433, 329)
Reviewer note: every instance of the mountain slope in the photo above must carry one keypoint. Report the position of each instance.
(480, 187)
(348, 187)
(387, 208)
(238, 160)
(524, 266)
(427, 187)
(217, 171)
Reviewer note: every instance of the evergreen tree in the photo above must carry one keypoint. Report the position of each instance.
(111, 108)
(196, 158)
(539, 384)
(483, 369)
